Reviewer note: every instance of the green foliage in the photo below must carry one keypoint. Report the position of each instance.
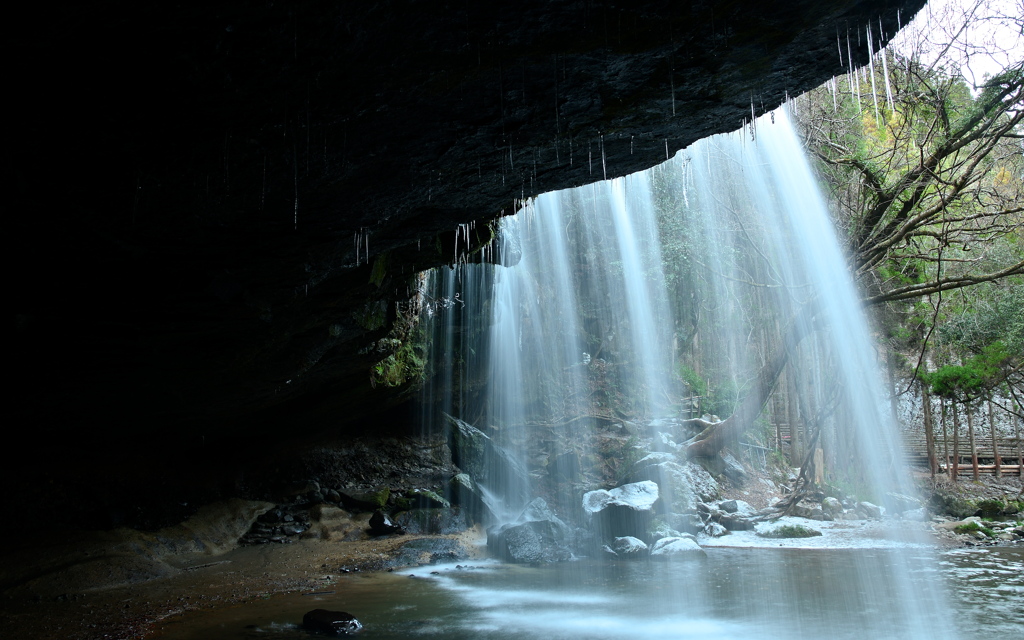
(406, 364)
(789, 531)
(971, 379)
(693, 380)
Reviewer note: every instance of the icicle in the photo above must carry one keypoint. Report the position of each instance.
(850, 76)
(871, 65)
(666, 148)
(604, 165)
(839, 45)
(835, 103)
(888, 88)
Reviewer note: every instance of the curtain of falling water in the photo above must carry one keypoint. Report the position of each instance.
(582, 332)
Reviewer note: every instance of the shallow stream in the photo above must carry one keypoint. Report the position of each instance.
(734, 593)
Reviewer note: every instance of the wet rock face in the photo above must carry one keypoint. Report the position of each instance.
(537, 536)
(237, 215)
(624, 511)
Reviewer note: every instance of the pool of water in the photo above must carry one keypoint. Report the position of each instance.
(734, 593)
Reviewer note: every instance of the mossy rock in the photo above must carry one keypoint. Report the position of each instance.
(990, 507)
(953, 505)
(789, 531)
(968, 527)
(428, 500)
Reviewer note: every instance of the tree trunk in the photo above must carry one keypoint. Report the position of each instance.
(945, 432)
(1020, 449)
(995, 443)
(715, 437)
(974, 450)
(793, 417)
(929, 431)
(954, 468)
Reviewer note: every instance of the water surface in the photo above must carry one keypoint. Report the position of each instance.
(735, 593)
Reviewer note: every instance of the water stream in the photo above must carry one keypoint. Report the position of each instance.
(735, 594)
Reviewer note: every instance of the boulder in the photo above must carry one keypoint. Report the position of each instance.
(360, 500)
(335, 623)
(467, 496)
(629, 547)
(681, 484)
(917, 515)
(677, 549)
(869, 510)
(487, 464)
(423, 551)
(687, 522)
(810, 510)
(734, 522)
(431, 521)
(424, 499)
(724, 465)
(738, 507)
(381, 525)
(832, 506)
(897, 503)
(623, 511)
(715, 530)
(536, 536)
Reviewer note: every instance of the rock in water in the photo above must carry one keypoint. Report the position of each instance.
(629, 547)
(337, 623)
(536, 536)
(677, 549)
(623, 511)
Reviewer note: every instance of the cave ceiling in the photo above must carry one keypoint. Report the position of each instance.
(210, 203)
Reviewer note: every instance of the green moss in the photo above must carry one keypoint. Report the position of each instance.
(380, 498)
(990, 507)
(430, 499)
(406, 364)
(954, 505)
(974, 526)
(789, 531)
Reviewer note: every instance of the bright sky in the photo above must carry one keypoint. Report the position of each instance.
(991, 41)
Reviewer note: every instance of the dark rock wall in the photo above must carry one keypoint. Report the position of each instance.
(193, 189)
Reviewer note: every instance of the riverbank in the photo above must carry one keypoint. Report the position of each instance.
(123, 584)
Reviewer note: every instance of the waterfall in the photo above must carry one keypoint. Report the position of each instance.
(637, 301)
